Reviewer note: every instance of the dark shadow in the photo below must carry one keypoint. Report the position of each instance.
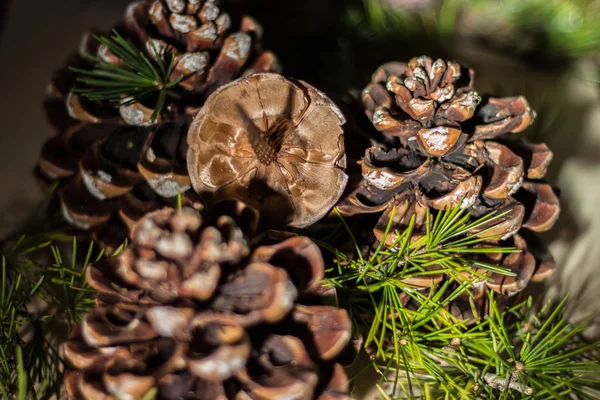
(3, 14)
(245, 217)
(275, 209)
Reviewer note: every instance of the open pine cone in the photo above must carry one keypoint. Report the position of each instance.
(445, 146)
(118, 163)
(274, 143)
(193, 312)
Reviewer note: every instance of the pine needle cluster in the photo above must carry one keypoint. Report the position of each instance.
(43, 296)
(424, 352)
(135, 80)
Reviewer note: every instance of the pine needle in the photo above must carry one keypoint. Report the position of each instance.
(136, 80)
(424, 352)
(35, 300)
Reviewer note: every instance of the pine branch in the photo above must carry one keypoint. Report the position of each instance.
(447, 248)
(136, 80)
(477, 364)
(424, 352)
(44, 294)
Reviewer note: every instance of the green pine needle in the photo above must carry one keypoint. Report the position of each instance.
(37, 301)
(22, 375)
(179, 201)
(138, 79)
(513, 354)
(424, 352)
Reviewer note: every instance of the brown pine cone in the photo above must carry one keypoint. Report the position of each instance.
(191, 310)
(274, 143)
(444, 147)
(117, 163)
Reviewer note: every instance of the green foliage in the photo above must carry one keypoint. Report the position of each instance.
(422, 351)
(555, 28)
(43, 297)
(136, 80)
(536, 354)
(379, 17)
(513, 354)
(567, 27)
(448, 248)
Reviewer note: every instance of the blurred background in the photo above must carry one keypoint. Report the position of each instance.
(547, 50)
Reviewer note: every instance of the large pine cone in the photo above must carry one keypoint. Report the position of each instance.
(192, 311)
(445, 146)
(117, 163)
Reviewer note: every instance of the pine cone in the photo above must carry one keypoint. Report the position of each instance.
(273, 143)
(445, 146)
(117, 163)
(191, 310)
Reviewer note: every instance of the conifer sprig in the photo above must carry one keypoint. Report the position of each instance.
(373, 286)
(514, 354)
(425, 353)
(40, 301)
(137, 79)
(540, 355)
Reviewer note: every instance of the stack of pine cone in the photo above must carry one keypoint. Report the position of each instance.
(200, 306)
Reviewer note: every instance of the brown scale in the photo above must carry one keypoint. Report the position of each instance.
(194, 311)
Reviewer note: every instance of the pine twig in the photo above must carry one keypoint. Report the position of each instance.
(39, 299)
(503, 384)
(424, 352)
(138, 79)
